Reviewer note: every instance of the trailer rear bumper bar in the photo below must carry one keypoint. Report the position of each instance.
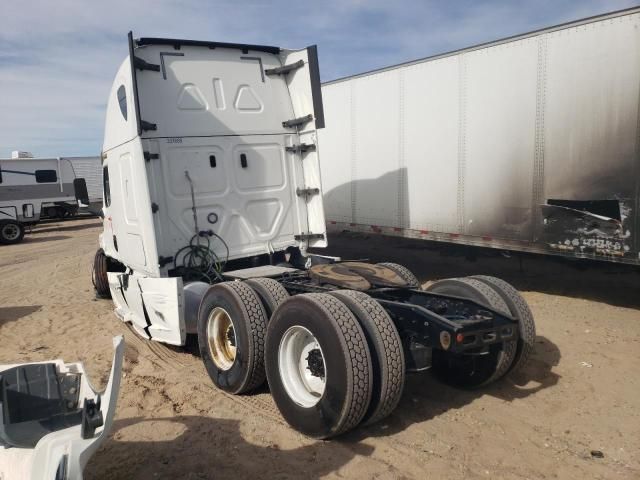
(460, 335)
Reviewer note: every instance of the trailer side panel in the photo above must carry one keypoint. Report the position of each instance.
(526, 144)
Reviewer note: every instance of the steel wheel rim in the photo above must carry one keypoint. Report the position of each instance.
(300, 378)
(221, 338)
(10, 231)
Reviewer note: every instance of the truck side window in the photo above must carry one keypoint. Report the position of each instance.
(122, 100)
(46, 176)
(105, 186)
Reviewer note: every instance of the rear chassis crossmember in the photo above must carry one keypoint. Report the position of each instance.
(427, 321)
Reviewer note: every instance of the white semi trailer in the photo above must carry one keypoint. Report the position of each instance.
(212, 196)
(528, 144)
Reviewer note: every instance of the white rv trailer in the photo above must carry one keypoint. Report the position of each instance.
(27, 185)
(212, 197)
(528, 143)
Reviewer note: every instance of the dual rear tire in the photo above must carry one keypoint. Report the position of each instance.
(332, 361)
(335, 360)
(478, 369)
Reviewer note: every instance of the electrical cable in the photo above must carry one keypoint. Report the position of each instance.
(198, 261)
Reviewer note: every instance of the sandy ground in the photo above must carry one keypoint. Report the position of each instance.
(581, 391)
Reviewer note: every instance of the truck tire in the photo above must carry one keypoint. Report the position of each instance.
(472, 371)
(99, 274)
(271, 293)
(11, 231)
(318, 365)
(403, 272)
(520, 310)
(387, 355)
(232, 325)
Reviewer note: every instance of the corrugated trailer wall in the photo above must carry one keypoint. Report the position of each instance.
(529, 144)
(89, 168)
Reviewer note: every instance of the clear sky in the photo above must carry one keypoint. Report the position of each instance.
(58, 57)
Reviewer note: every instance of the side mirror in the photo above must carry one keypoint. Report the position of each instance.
(80, 188)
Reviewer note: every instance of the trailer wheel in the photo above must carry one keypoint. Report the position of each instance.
(520, 310)
(231, 330)
(387, 355)
(473, 370)
(271, 293)
(99, 274)
(318, 365)
(403, 272)
(11, 232)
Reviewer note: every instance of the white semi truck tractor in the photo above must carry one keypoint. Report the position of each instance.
(212, 197)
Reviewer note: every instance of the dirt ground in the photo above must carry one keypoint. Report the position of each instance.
(581, 391)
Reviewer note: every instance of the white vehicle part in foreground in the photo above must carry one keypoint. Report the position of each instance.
(64, 453)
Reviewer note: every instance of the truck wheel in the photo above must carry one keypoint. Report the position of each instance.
(473, 370)
(271, 293)
(11, 232)
(231, 329)
(403, 272)
(387, 355)
(520, 310)
(99, 274)
(318, 365)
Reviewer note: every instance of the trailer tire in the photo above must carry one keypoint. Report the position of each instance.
(330, 393)
(11, 231)
(520, 310)
(387, 354)
(232, 325)
(99, 274)
(271, 293)
(403, 272)
(473, 371)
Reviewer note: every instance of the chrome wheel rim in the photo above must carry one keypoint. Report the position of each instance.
(301, 366)
(221, 338)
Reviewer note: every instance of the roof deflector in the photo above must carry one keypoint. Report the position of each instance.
(177, 43)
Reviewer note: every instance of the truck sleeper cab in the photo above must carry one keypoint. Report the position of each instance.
(212, 197)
